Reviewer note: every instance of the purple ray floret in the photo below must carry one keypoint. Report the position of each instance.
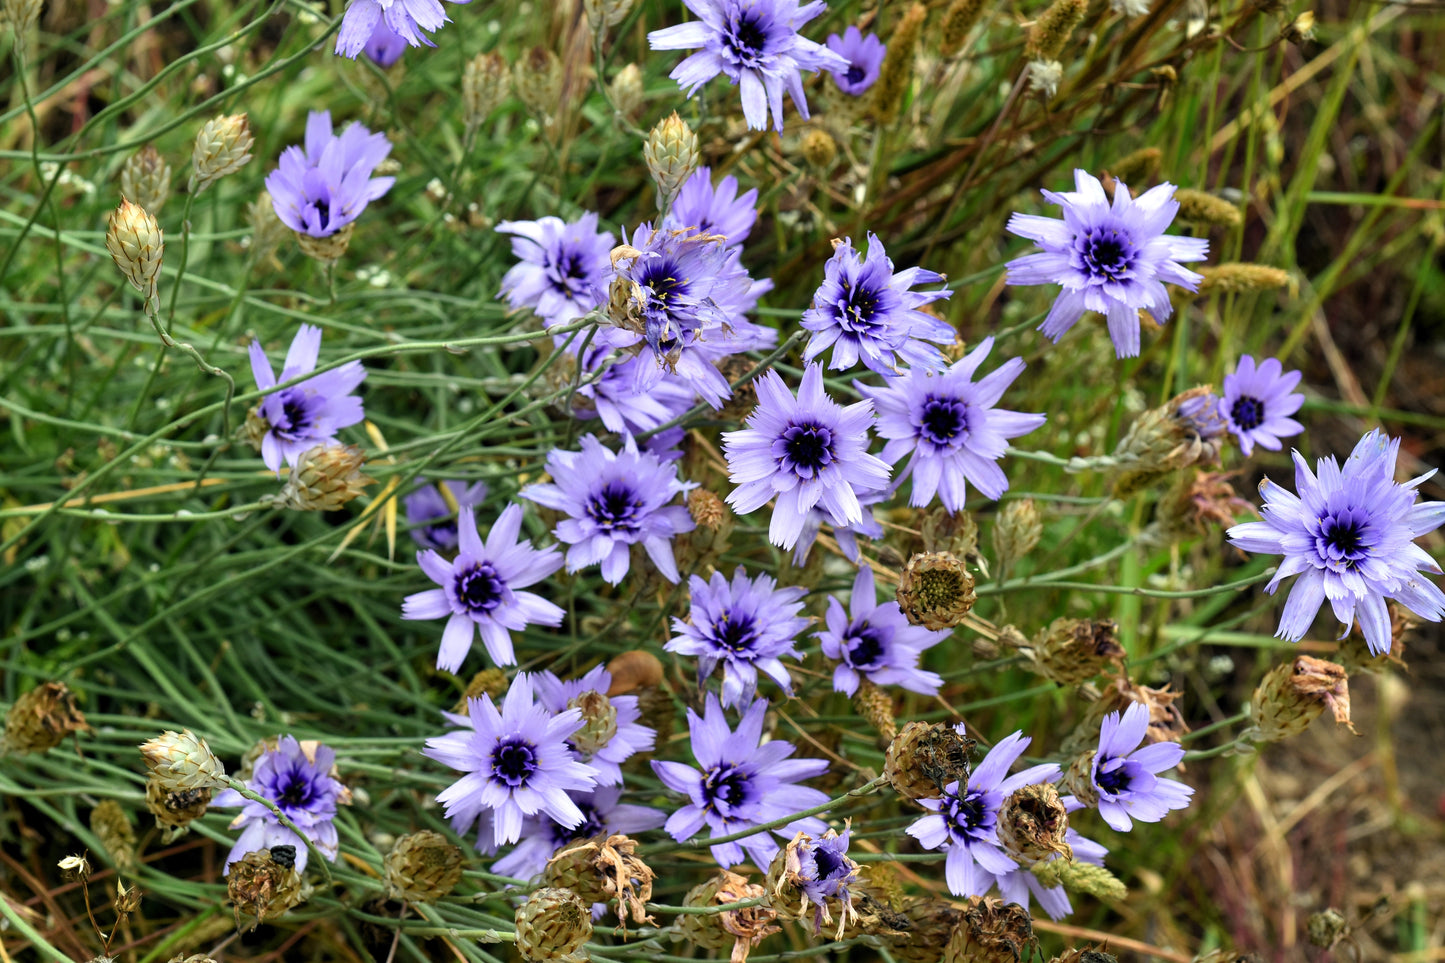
(411, 20)
(517, 762)
(701, 208)
(845, 535)
(865, 311)
(602, 813)
(947, 426)
(631, 736)
(1125, 775)
(1350, 537)
(877, 643)
(320, 188)
(386, 45)
(1258, 401)
(806, 452)
(311, 412)
(745, 625)
(299, 781)
(480, 589)
(756, 45)
(740, 783)
(434, 524)
(614, 398)
(562, 267)
(1111, 259)
(864, 53)
(614, 500)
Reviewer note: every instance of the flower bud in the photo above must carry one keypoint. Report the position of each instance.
(552, 925)
(146, 179)
(262, 887)
(895, 76)
(935, 590)
(113, 828)
(876, 706)
(1016, 531)
(819, 149)
(175, 810)
(182, 760)
(1033, 823)
(491, 681)
(602, 14)
(538, 79)
(671, 155)
(324, 478)
(627, 91)
(599, 722)
(1290, 696)
(923, 759)
(41, 718)
(1079, 778)
(1078, 876)
(1327, 927)
(136, 244)
(1230, 278)
(222, 147)
(1050, 32)
(953, 532)
(958, 20)
(604, 870)
(484, 87)
(422, 867)
(991, 931)
(1073, 651)
(1199, 207)
(267, 230)
(329, 249)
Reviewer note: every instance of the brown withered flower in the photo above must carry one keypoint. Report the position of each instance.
(263, 887)
(1290, 696)
(605, 869)
(923, 759)
(1073, 651)
(41, 719)
(1032, 824)
(935, 590)
(991, 931)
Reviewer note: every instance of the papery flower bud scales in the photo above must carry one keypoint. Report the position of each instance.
(136, 244)
(181, 761)
(422, 867)
(223, 147)
(552, 925)
(324, 478)
(484, 87)
(41, 718)
(671, 155)
(146, 179)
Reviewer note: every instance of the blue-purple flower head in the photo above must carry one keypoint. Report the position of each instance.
(756, 45)
(434, 519)
(1111, 259)
(877, 642)
(481, 589)
(613, 395)
(865, 311)
(299, 780)
(562, 267)
(805, 452)
(1349, 534)
(719, 211)
(311, 412)
(864, 54)
(947, 426)
(629, 737)
(517, 763)
(385, 46)
(320, 188)
(740, 782)
(824, 875)
(614, 500)
(542, 836)
(745, 626)
(410, 20)
(1258, 401)
(1125, 777)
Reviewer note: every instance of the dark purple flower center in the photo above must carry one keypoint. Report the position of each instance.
(735, 634)
(804, 449)
(969, 817)
(1108, 255)
(943, 420)
(660, 275)
(615, 508)
(591, 825)
(324, 209)
(747, 37)
(1247, 412)
(297, 791)
(514, 760)
(855, 74)
(1115, 781)
(1342, 539)
(725, 788)
(863, 647)
(297, 415)
(480, 588)
(830, 864)
(860, 312)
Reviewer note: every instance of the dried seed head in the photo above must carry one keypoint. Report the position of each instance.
(819, 149)
(605, 870)
(1049, 34)
(422, 867)
(146, 179)
(895, 77)
(748, 926)
(1079, 778)
(1327, 927)
(1032, 824)
(1231, 278)
(491, 682)
(136, 244)
(958, 21)
(267, 230)
(261, 887)
(222, 147)
(671, 155)
(1072, 651)
(599, 722)
(602, 14)
(41, 719)
(1086, 954)
(182, 760)
(930, 923)
(936, 590)
(876, 706)
(1355, 655)
(112, 826)
(923, 759)
(324, 478)
(1198, 207)
(991, 931)
(1300, 30)
(538, 79)
(74, 867)
(484, 87)
(1080, 877)
(1016, 531)
(706, 543)
(705, 931)
(175, 810)
(552, 925)
(127, 899)
(329, 249)
(626, 91)
(1186, 430)
(1138, 167)
(1045, 77)
(1200, 501)
(22, 14)
(1166, 722)
(706, 508)
(1290, 696)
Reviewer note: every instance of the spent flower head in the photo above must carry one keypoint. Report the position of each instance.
(1258, 401)
(877, 642)
(299, 778)
(864, 54)
(321, 187)
(310, 412)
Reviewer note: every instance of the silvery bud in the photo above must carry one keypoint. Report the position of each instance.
(182, 761)
(1016, 531)
(324, 478)
(484, 87)
(606, 13)
(146, 177)
(135, 242)
(22, 14)
(538, 77)
(671, 155)
(222, 147)
(626, 90)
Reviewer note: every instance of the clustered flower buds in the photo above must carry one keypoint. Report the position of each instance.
(671, 155)
(41, 718)
(626, 90)
(136, 244)
(22, 14)
(895, 77)
(223, 147)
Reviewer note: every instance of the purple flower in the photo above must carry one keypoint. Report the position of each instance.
(411, 20)
(965, 820)
(845, 535)
(321, 188)
(864, 53)
(542, 836)
(1349, 535)
(755, 43)
(1126, 779)
(517, 762)
(878, 643)
(948, 426)
(739, 784)
(479, 589)
(386, 45)
(806, 451)
(865, 311)
(702, 209)
(1109, 259)
(826, 873)
(563, 267)
(745, 625)
(311, 412)
(1257, 403)
(614, 397)
(298, 780)
(614, 500)
(630, 737)
(434, 524)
